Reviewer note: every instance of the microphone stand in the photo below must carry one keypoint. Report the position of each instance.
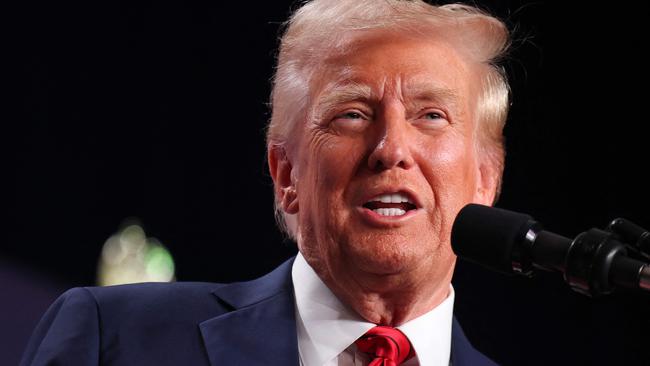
(596, 261)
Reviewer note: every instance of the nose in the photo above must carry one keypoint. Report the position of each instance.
(393, 147)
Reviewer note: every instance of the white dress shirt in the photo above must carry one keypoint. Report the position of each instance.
(327, 328)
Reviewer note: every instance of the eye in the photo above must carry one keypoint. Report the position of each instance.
(432, 119)
(350, 120)
(432, 115)
(349, 115)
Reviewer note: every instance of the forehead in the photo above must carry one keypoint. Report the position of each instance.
(407, 65)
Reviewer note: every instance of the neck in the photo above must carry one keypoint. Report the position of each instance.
(391, 300)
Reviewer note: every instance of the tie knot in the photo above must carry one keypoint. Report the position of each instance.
(388, 346)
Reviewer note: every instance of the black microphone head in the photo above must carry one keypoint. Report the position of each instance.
(488, 235)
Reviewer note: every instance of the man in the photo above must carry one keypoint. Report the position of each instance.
(387, 120)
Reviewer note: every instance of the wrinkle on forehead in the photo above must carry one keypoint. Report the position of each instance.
(367, 58)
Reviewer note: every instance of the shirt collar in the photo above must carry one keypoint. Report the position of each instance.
(430, 333)
(326, 327)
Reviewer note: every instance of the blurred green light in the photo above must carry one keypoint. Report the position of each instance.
(159, 264)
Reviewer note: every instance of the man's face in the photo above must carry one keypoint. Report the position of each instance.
(386, 160)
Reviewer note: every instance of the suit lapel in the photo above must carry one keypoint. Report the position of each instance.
(462, 351)
(261, 328)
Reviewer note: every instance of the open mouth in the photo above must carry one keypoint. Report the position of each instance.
(394, 204)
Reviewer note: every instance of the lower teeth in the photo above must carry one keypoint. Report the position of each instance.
(390, 211)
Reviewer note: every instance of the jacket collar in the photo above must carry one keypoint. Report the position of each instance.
(261, 328)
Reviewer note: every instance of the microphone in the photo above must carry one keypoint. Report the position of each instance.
(594, 263)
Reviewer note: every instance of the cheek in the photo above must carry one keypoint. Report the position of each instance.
(337, 161)
(328, 164)
(451, 169)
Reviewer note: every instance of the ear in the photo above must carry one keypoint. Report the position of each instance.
(282, 174)
(488, 182)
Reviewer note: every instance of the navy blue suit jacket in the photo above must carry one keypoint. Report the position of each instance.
(246, 323)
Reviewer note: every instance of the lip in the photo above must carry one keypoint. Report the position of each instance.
(374, 219)
(390, 190)
(377, 220)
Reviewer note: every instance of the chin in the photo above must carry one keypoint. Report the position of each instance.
(387, 255)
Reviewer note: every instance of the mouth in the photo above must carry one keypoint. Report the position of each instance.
(391, 204)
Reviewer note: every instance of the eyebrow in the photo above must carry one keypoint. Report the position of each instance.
(339, 94)
(423, 91)
(416, 91)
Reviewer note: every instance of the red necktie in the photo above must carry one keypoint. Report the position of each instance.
(387, 345)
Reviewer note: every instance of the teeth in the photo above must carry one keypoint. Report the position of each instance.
(390, 211)
(392, 198)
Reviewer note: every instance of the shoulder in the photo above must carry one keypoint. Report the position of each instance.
(138, 303)
(149, 294)
(139, 306)
(143, 323)
(86, 322)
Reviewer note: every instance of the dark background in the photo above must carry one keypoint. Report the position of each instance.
(156, 110)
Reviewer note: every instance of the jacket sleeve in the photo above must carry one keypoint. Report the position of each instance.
(68, 333)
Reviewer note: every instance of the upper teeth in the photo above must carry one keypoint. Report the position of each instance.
(391, 198)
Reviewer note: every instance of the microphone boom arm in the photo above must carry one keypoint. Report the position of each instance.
(595, 263)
